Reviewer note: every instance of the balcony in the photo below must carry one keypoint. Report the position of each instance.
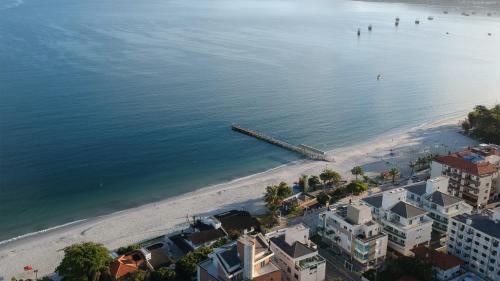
(395, 232)
(309, 262)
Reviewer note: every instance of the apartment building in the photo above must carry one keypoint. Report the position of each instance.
(247, 259)
(406, 225)
(471, 176)
(296, 255)
(475, 238)
(352, 229)
(432, 196)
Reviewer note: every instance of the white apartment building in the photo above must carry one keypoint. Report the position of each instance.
(406, 225)
(476, 240)
(472, 177)
(432, 196)
(352, 229)
(296, 255)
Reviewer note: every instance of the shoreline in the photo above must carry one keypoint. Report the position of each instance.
(43, 249)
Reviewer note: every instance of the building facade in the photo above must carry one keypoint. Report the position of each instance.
(475, 238)
(296, 255)
(432, 196)
(471, 176)
(406, 225)
(352, 229)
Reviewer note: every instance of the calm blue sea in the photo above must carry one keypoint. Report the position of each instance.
(107, 104)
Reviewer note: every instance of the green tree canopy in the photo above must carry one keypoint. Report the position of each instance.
(163, 274)
(323, 198)
(357, 171)
(185, 267)
(484, 123)
(356, 187)
(330, 177)
(83, 262)
(313, 182)
(303, 183)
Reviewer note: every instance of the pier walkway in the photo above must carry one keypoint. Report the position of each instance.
(307, 151)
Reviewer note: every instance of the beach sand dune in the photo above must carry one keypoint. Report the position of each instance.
(45, 250)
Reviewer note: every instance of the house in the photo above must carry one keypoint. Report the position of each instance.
(444, 266)
(126, 264)
(236, 222)
(301, 200)
(296, 255)
(433, 197)
(475, 238)
(247, 259)
(471, 176)
(352, 228)
(406, 225)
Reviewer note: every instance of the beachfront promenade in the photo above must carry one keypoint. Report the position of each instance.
(307, 151)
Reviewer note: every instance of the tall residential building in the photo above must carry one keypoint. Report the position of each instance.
(248, 259)
(476, 240)
(352, 229)
(406, 225)
(296, 255)
(432, 196)
(472, 177)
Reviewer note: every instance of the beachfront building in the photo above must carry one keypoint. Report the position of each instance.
(432, 196)
(472, 177)
(296, 255)
(352, 229)
(301, 201)
(407, 226)
(444, 266)
(247, 259)
(475, 238)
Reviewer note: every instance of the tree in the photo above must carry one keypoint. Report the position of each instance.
(357, 171)
(140, 275)
(313, 182)
(357, 187)
(482, 123)
(303, 183)
(330, 177)
(163, 274)
(185, 267)
(128, 249)
(394, 172)
(412, 166)
(274, 197)
(323, 198)
(83, 262)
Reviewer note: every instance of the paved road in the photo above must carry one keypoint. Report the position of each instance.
(335, 268)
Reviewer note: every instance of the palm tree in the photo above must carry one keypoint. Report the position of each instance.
(303, 183)
(394, 172)
(412, 166)
(357, 170)
(330, 177)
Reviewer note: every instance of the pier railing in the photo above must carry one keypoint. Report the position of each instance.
(307, 151)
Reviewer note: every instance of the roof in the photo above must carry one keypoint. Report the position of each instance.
(375, 201)
(443, 199)
(237, 221)
(201, 237)
(296, 250)
(438, 259)
(418, 188)
(406, 210)
(230, 257)
(480, 222)
(456, 161)
(124, 265)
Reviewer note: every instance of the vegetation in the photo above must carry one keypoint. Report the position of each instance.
(397, 268)
(356, 187)
(330, 177)
(275, 195)
(163, 274)
(482, 123)
(185, 267)
(84, 262)
(46, 278)
(128, 249)
(394, 172)
(303, 183)
(323, 198)
(313, 182)
(357, 171)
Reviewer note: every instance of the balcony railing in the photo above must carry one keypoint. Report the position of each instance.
(309, 262)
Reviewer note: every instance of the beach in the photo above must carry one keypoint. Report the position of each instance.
(45, 250)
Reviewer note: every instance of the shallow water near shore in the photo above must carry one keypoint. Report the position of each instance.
(106, 105)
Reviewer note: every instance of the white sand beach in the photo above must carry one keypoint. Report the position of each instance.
(44, 250)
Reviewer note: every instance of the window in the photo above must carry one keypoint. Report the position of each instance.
(289, 270)
(454, 223)
(296, 276)
(478, 234)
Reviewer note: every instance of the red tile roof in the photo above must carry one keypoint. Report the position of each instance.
(438, 259)
(124, 265)
(477, 169)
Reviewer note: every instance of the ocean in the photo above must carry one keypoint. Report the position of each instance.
(106, 105)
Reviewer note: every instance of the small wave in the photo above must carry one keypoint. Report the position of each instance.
(10, 5)
(39, 232)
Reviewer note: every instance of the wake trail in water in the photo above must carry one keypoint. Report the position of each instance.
(11, 4)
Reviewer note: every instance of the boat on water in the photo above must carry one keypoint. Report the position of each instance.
(370, 27)
(465, 14)
(488, 14)
(359, 31)
(417, 21)
(489, 33)
(396, 23)
(379, 77)
(430, 18)
(445, 12)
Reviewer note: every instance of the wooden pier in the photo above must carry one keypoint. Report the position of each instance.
(307, 151)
